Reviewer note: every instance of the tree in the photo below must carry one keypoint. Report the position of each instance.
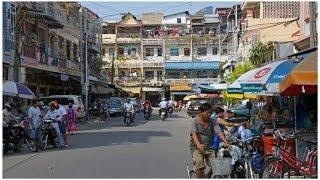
(239, 70)
(259, 54)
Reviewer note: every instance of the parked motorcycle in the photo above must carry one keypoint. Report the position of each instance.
(17, 131)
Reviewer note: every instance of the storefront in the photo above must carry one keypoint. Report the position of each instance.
(152, 94)
(179, 90)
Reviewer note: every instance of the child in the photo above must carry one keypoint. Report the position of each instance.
(71, 120)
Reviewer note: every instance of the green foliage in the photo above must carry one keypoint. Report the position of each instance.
(260, 53)
(239, 70)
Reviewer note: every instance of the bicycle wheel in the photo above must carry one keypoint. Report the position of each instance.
(31, 144)
(273, 168)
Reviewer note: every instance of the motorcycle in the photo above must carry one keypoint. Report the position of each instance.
(170, 110)
(147, 112)
(163, 114)
(47, 134)
(17, 131)
(128, 117)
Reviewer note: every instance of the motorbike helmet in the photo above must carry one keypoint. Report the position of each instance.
(163, 99)
(53, 104)
(127, 100)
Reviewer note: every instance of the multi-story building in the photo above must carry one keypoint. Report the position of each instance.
(50, 46)
(267, 22)
(163, 53)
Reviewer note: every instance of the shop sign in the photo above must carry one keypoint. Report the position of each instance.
(262, 73)
(181, 86)
(64, 77)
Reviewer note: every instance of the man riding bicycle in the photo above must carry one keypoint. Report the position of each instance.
(202, 130)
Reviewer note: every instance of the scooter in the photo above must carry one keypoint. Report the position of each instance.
(47, 134)
(128, 117)
(147, 112)
(163, 114)
(170, 110)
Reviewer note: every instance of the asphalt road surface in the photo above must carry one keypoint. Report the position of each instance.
(147, 149)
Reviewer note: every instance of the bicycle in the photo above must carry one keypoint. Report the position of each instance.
(282, 163)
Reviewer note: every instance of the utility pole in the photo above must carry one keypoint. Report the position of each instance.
(112, 69)
(86, 84)
(18, 42)
(313, 24)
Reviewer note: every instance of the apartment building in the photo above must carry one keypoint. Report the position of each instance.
(50, 46)
(163, 56)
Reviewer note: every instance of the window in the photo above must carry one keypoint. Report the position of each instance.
(178, 20)
(149, 52)
(202, 74)
(214, 50)
(159, 51)
(111, 52)
(149, 74)
(159, 75)
(174, 51)
(131, 51)
(88, 24)
(215, 74)
(12, 17)
(224, 51)
(121, 51)
(187, 51)
(202, 51)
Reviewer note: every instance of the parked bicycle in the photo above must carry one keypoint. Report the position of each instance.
(285, 164)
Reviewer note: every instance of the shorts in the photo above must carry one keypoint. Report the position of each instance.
(199, 159)
(62, 127)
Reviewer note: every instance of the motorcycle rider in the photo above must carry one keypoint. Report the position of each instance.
(53, 113)
(163, 106)
(170, 104)
(128, 106)
(146, 104)
(7, 118)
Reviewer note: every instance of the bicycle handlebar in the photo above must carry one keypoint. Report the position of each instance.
(278, 134)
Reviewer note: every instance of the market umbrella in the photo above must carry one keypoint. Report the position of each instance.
(188, 98)
(235, 87)
(302, 79)
(11, 88)
(266, 79)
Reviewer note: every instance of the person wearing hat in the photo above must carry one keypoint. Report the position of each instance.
(53, 113)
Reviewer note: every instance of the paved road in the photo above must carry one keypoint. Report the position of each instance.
(148, 149)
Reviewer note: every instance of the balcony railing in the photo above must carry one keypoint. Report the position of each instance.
(153, 64)
(153, 58)
(73, 65)
(152, 41)
(178, 58)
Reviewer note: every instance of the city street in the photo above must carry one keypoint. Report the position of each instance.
(148, 149)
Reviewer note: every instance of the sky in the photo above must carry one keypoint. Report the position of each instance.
(111, 10)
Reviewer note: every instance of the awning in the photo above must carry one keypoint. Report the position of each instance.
(134, 90)
(204, 65)
(180, 93)
(303, 79)
(152, 89)
(241, 96)
(188, 98)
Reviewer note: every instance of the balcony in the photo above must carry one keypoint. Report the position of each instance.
(153, 58)
(129, 64)
(178, 58)
(73, 65)
(129, 81)
(157, 64)
(125, 40)
(152, 42)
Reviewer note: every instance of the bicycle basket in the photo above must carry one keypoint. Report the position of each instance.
(221, 166)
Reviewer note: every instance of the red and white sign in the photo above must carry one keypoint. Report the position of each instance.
(262, 73)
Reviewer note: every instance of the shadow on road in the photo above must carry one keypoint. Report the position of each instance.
(98, 139)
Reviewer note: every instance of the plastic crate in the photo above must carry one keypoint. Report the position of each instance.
(221, 166)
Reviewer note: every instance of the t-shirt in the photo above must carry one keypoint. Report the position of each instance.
(205, 134)
(62, 111)
(34, 114)
(163, 104)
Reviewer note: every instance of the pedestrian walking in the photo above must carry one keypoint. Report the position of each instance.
(34, 114)
(62, 124)
(71, 120)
